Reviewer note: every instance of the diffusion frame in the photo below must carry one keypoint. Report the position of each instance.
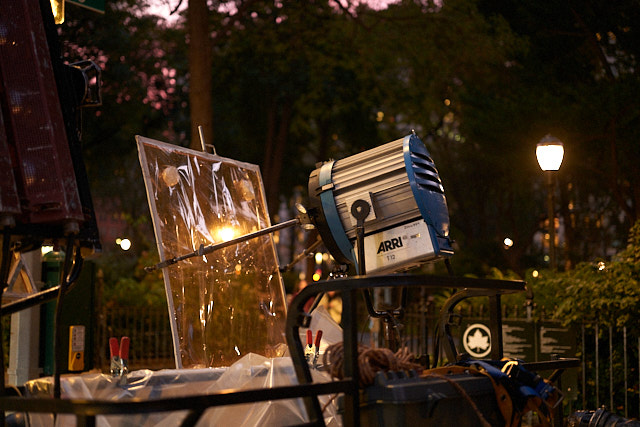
(230, 302)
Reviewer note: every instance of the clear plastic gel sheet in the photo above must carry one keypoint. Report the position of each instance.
(230, 302)
(250, 372)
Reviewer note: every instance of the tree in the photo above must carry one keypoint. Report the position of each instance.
(579, 68)
(286, 84)
(141, 95)
(200, 73)
(438, 69)
(481, 82)
(313, 83)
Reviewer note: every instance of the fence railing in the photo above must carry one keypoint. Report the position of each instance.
(611, 369)
(610, 373)
(150, 334)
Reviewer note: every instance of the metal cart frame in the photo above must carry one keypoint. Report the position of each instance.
(86, 411)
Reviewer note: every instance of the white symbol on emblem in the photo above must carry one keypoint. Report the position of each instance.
(476, 340)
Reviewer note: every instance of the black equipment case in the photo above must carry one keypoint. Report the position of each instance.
(400, 400)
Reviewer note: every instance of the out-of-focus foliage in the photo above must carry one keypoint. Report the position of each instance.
(143, 93)
(333, 83)
(604, 292)
(436, 65)
(577, 80)
(480, 81)
(128, 284)
(143, 78)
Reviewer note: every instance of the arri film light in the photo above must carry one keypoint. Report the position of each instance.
(408, 221)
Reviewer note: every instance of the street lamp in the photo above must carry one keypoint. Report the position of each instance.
(549, 152)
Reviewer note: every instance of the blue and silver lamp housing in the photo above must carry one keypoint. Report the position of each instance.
(408, 223)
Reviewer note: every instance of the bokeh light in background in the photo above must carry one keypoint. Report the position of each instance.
(125, 244)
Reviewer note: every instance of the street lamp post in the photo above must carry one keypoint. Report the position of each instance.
(550, 152)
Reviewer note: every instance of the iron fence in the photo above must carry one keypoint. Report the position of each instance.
(611, 369)
(150, 334)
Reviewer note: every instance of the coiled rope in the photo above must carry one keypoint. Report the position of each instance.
(370, 361)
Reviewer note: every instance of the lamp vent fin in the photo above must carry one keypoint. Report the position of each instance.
(426, 173)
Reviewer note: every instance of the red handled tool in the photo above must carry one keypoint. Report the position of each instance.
(312, 349)
(317, 347)
(124, 350)
(119, 356)
(318, 338)
(308, 350)
(114, 350)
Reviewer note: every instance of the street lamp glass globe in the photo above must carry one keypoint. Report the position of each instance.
(549, 152)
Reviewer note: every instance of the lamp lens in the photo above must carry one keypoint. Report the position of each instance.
(549, 156)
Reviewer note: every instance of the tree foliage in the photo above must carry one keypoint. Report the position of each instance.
(578, 81)
(143, 93)
(480, 81)
(604, 292)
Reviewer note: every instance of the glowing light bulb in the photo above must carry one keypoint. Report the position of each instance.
(550, 152)
(125, 244)
(226, 233)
